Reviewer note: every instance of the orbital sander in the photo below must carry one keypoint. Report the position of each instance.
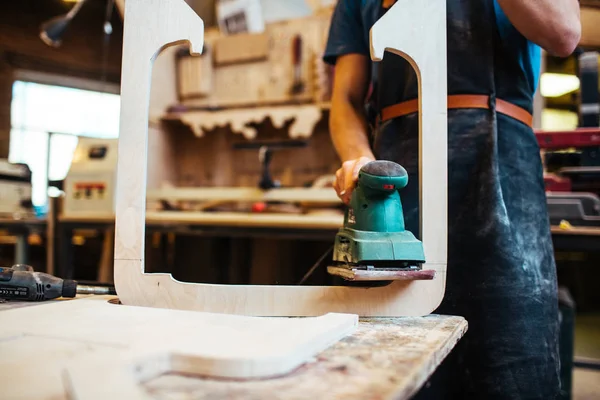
(373, 244)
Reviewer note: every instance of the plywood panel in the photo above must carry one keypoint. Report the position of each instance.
(91, 335)
(155, 24)
(162, 156)
(163, 90)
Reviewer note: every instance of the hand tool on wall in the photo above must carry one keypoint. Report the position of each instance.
(20, 282)
(265, 155)
(298, 85)
(373, 244)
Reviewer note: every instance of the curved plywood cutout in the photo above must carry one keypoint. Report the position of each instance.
(149, 24)
(414, 33)
(106, 347)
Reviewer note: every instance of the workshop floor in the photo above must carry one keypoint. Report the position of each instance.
(586, 382)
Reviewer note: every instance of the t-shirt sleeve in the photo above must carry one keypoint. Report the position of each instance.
(528, 54)
(346, 32)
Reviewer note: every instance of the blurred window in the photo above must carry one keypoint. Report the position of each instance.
(46, 123)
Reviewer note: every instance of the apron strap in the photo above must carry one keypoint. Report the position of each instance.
(460, 101)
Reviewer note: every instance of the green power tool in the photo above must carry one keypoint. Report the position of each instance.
(373, 244)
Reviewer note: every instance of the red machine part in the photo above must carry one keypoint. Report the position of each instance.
(259, 207)
(581, 137)
(90, 185)
(556, 183)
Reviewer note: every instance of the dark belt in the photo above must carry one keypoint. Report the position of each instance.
(460, 101)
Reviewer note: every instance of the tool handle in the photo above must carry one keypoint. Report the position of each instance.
(25, 285)
(382, 176)
(297, 50)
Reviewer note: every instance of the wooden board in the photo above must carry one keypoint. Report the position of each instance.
(239, 220)
(240, 48)
(246, 194)
(292, 221)
(153, 24)
(195, 75)
(385, 358)
(93, 335)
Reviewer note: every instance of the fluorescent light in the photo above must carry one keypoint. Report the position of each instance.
(556, 85)
(559, 120)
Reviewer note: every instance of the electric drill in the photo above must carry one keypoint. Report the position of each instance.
(20, 282)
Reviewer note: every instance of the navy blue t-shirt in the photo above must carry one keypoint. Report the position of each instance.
(352, 20)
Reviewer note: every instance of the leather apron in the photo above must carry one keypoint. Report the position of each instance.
(501, 270)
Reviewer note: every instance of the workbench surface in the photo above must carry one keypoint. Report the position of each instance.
(325, 220)
(577, 231)
(385, 358)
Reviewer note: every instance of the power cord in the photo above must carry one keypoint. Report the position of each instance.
(315, 266)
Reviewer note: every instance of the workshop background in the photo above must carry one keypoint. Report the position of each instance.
(249, 114)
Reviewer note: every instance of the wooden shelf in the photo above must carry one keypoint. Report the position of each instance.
(200, 120)
(22, 221)
(583, 231)
(324, 196)
(581, 137)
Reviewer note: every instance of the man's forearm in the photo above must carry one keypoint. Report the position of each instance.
(349, 129)
(552, 24)
(347, 123)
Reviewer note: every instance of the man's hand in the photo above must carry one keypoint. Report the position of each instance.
(346, 177)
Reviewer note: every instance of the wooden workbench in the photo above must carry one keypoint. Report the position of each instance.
(580, 231)
(576, 239)
(387, 358)
(326, 221)
(315, 226)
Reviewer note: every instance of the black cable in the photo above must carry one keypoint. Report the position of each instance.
(314, 267)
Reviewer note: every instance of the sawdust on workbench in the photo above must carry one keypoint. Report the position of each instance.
(386, 358)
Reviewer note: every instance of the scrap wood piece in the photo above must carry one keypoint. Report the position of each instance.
(241, 48)
(152, 341)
